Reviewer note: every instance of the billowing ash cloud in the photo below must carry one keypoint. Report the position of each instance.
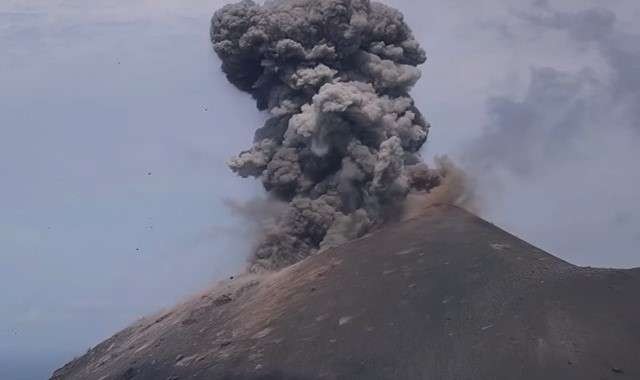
(342, 140)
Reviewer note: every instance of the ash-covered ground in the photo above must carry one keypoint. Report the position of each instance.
(444, 295)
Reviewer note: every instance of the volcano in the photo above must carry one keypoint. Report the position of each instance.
(444, 295)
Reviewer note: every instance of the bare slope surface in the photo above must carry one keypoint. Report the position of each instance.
(442, 296)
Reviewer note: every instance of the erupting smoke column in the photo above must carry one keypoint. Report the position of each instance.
(341, 144)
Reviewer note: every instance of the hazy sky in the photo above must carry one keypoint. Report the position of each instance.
(115, 123)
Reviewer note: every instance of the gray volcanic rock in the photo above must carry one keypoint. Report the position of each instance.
(443, 296)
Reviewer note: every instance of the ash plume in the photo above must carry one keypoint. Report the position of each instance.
(341, 144)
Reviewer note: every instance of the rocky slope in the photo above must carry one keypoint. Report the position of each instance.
(442, 296)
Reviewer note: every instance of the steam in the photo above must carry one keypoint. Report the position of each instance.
(341, 145)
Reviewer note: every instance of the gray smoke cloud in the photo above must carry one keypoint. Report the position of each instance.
(556, 160)
(563, 112)
(341, 144)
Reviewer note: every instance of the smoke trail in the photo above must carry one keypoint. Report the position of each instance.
(342, 140)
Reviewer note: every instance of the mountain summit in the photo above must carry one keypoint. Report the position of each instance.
(444, 295)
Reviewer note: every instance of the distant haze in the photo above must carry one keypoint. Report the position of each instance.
(114, 178)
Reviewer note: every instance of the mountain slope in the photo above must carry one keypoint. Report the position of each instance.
(443, 296)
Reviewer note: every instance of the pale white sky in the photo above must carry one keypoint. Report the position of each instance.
(96, 95)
